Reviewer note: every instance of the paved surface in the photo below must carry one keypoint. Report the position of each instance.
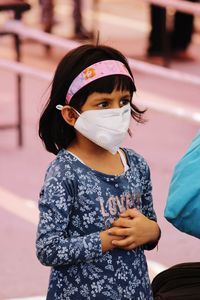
(162, 140)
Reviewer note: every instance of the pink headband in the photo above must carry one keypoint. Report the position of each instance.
(96, 71)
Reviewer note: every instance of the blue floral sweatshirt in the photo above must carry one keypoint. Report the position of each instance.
(76, 204)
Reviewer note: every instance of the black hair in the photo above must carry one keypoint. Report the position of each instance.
(53, 130)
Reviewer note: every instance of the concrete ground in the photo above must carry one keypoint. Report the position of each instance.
(162, 140)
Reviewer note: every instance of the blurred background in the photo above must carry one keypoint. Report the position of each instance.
(168, 84)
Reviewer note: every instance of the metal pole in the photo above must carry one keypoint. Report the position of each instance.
(19, 86)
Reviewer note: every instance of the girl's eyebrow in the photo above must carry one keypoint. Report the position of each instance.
(126, 95)
(101, 98)
(106, 97)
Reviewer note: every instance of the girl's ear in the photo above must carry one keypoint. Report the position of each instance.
(69, 115)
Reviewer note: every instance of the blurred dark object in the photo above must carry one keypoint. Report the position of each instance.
(18, 7)
(180, 282)
(48, 19)
(170, 42)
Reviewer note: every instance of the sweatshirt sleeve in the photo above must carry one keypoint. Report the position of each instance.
(54, 246)
(147, 201)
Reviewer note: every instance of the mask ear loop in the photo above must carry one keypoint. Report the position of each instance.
(59, 107)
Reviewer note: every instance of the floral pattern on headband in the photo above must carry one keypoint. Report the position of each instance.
(89, 73)
(96, 71)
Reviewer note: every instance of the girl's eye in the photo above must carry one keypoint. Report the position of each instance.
(124, 101)
(103, 104)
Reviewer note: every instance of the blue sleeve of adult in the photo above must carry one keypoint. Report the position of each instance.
(182, 208)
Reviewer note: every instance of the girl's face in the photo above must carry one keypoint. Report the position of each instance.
(95, 101)
(116, 99)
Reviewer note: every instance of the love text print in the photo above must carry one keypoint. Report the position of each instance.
(115, 205)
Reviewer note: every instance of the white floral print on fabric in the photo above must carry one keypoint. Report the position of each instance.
(76, 203)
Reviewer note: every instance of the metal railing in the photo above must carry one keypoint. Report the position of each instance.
(46, 38)
(21, 30)
(180, 5)
(174, 109)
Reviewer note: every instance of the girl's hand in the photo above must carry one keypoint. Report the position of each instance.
(135, 228)
(107, 239)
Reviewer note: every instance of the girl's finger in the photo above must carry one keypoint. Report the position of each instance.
(131, 246)
(122, 222)
(124, 214)
(119, 231)
(131, 212)
(123, 243)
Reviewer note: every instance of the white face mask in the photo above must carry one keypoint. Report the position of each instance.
(105, 127)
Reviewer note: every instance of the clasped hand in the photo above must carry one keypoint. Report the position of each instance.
(134, 229)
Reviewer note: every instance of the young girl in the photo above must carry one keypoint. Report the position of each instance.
(96, 211)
